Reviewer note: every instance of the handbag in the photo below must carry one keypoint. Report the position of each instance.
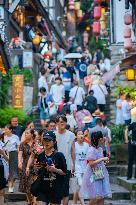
(98, 173)
(73, 184)
(52, 110)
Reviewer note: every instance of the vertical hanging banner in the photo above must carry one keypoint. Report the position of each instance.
(17, 91)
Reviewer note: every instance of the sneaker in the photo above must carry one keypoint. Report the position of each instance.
(11, 189)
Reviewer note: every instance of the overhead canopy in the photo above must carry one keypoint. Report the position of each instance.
(129, 61)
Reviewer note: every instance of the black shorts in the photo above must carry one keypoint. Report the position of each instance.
(51, 194)
(49, 197)
(66, 184)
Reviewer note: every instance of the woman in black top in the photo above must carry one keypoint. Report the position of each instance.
(52, 169)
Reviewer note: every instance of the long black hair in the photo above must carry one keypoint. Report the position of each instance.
(95, 138)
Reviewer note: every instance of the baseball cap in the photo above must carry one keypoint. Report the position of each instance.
(50, 135)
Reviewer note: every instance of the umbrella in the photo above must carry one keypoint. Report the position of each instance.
(73, 55)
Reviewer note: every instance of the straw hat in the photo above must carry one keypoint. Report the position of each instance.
(97, 113)
(87, 119)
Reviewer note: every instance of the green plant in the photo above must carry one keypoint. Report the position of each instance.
(7, 113)
(117, 134)
(26, 72)
(126, 90)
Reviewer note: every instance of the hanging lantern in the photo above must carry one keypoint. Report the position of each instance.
(85, 37)
(128, 43)
(77, 6)
(130, 74)
(36, 40)
(127, 32)
(102, 10)
(127, 19)
(71, 5)
(88, 28)
(80, 13)
(103, 25)
(96, 28)
(97, 12)
(103, 18)
(97, 1)
(48, 54)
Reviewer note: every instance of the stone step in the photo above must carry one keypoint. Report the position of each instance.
(128, 184)
(118, 193)
(119, 202)
(118, 170)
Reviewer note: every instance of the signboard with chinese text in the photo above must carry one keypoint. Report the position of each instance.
(17, 91)
(27, 59)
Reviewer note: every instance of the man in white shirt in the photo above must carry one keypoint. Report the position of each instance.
(42, 82)
(57, 91)
(77, 94)
(126, 110)
(100, 92)
(66, 144)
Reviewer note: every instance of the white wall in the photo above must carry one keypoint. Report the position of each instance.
(118, 20)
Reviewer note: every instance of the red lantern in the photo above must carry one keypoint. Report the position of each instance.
(96, 28)
(97, 1)
(127, 43)
(48, 54)
(97, 12)
(127, 19)
(127, 32)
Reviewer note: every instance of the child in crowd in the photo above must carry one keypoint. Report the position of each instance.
(81, 149)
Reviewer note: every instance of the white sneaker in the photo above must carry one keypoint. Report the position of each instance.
(11, 189)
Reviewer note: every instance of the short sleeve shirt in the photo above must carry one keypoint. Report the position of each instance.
(11, 143)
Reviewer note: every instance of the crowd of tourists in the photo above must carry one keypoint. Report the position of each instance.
(47, 162)
(70, 152)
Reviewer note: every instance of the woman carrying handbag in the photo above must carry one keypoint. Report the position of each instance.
(95, 185)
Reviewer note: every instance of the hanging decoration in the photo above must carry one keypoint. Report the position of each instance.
(127, 19)
(127, 32)
(77, 6)
(71, 5)
(79, 14)
(36, 40)
(96, 28)
(128, 43)
(97, 1)
(97, 12)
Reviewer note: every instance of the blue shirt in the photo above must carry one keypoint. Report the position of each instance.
(82, 68)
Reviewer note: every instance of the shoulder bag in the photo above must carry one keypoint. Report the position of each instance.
(73, 100)
(98, 173)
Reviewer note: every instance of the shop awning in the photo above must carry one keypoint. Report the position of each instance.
(129, 61)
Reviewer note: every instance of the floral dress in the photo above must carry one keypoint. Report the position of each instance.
(25, 181)
(91, 188)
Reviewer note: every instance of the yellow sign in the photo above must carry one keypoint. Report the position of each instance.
(17, 91)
